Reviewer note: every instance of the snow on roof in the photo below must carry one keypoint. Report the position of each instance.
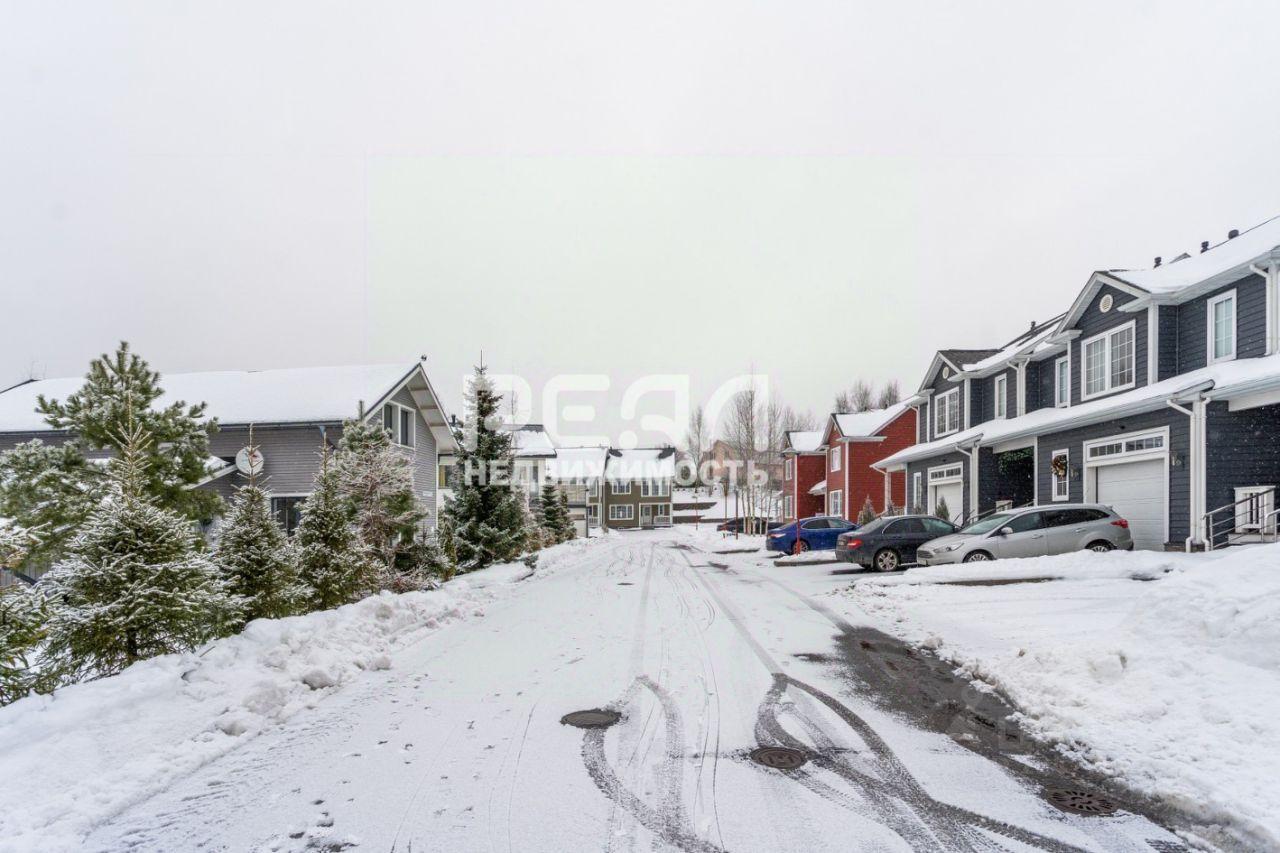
(530, 440)
(1239, 376)
(818, 488)
(717, 505)
(804, 441)
(578, 463)
(291, 395)
(1030, 341)
(642, 463)
(862, 424)
(1229, 255)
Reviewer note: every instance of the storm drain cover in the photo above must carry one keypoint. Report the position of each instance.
(778, 757)
(625, 583)
(593, 719)
(1080, 802)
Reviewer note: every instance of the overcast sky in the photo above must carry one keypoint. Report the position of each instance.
(821, 191)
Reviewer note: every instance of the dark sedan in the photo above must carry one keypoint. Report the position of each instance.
(890, 542)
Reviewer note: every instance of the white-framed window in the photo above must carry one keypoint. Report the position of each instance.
(789, 507)
(620, 487)
(834, 456)
(1062, 382)
(946, 413)
(1222, 327)
(398, 421)
(622, 512)
(917, 491)
(654, 488)
(1120, 446)
(835, 503)
(594, 489)
(1001, 392)
(946, 472)
(593, 511)
(789, 469)
(1251, 516)
(1109, 361)
(1061, 482)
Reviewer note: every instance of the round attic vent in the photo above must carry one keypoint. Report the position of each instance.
(946, 373)
(1105, 305)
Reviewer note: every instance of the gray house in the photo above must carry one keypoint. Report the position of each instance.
(292, 412)
(1157, 392)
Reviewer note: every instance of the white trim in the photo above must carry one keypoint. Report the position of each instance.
(615, 487)
(1126, 456)
(1268, 504)
(1105, 337)
(968, 402)
(1153, 344)
(400, 410)
(1000, 397)
(953, 396)
(917, 491)
(836, 497)
(1020, 400)
(1035, 471)
(628, 515)
(788, 468)
(1066, 478)
(944, 478)
(834, 458)
(1210, 327)
(1062, 400)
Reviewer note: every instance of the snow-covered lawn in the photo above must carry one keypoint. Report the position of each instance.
(90, 750)
(1161, 669)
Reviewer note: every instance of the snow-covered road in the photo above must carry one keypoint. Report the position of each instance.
(459, 745)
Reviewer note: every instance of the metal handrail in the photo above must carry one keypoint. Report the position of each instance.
(1211, 524)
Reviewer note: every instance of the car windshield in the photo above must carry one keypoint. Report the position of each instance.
(872, 526)
(986, 525)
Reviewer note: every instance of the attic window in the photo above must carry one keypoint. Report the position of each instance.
(397, 420)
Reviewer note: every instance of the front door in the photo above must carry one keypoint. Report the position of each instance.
(646, 515)
(1025, 539)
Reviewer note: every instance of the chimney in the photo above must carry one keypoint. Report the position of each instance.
(1158, 259)
(1233, 233)
(1204, 245)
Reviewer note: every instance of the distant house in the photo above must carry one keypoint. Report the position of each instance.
(637, 490)
(804, 466)
(532, 452)
(851, 443)
(292, 411)
(579, 473)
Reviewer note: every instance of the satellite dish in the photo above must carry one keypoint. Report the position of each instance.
(250, 460)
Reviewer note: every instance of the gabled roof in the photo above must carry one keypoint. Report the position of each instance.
(262, 397)
(578, 463)
(953, 358)
(802, 441)
(530, 441)
(864, 424)
(1029, 342)
(641, 463)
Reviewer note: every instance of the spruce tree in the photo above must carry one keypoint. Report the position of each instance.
(487, 515)
(332, 560)
(868, 513)
(22, 619)
(567, 529)
(550, 521)
(375, 480)
(122, 386)
(135, 583)
(253, 555)
(942, 511)
(52, 489)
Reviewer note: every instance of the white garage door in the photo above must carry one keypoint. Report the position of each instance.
(954, 495)
(1137, 491)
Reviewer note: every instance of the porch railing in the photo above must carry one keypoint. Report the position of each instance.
(1250, 519)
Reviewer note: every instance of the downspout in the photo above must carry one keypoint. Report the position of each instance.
(1271, 275)
(1193, 468)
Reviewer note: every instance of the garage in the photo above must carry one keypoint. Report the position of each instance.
(1138, 492)
(946, 483)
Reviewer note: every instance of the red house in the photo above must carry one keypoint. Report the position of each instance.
(850, 444)
(804, 466)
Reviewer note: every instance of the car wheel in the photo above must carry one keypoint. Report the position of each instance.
(1102, 546)
(977, 557)
(887, 560)
(800, 547)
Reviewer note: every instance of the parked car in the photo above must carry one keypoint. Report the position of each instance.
(757, 525)
(818, 533)
(1032, 532)
(891, 541)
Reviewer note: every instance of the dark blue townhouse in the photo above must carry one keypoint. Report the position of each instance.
(1157, 392)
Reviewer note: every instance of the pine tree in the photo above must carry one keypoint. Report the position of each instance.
(135, 583)
(567, 529)
(253, 555)
(122, 386)
(550, 520)
(22, 620)
(487, 515)
(50, 488)
(868, 513)
(942, 511)
(375, 480)
(331, 558)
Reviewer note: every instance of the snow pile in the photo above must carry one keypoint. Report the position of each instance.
(1171, 686)
(91, 750)
(1139, 565)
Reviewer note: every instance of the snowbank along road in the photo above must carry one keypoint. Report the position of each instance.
(460, 744)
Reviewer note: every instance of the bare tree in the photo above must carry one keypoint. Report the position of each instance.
(696, 440)
(890, 394)
(793, 421)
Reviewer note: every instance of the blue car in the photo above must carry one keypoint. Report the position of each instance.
(808, 534)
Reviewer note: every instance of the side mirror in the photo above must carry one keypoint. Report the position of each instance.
(1006, 531)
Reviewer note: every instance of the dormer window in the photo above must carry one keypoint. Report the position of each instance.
(1002, 396)
(1109, 361)
(1222, 327)
(397, 420)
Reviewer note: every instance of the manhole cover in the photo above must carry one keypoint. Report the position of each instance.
(593, 719)
(625, 583)
(1080, 802)
(778, 757)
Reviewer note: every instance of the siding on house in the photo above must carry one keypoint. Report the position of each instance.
(941, 386)
(290, 457)
(923, 467)
(1243, 451)
(1045, 384)
(1168, 341)
(1093, 322)
(809, 468)
(994, 486)
(1251, 318)
(425, 458)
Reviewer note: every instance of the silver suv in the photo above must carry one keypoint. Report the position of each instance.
(1031, 532)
